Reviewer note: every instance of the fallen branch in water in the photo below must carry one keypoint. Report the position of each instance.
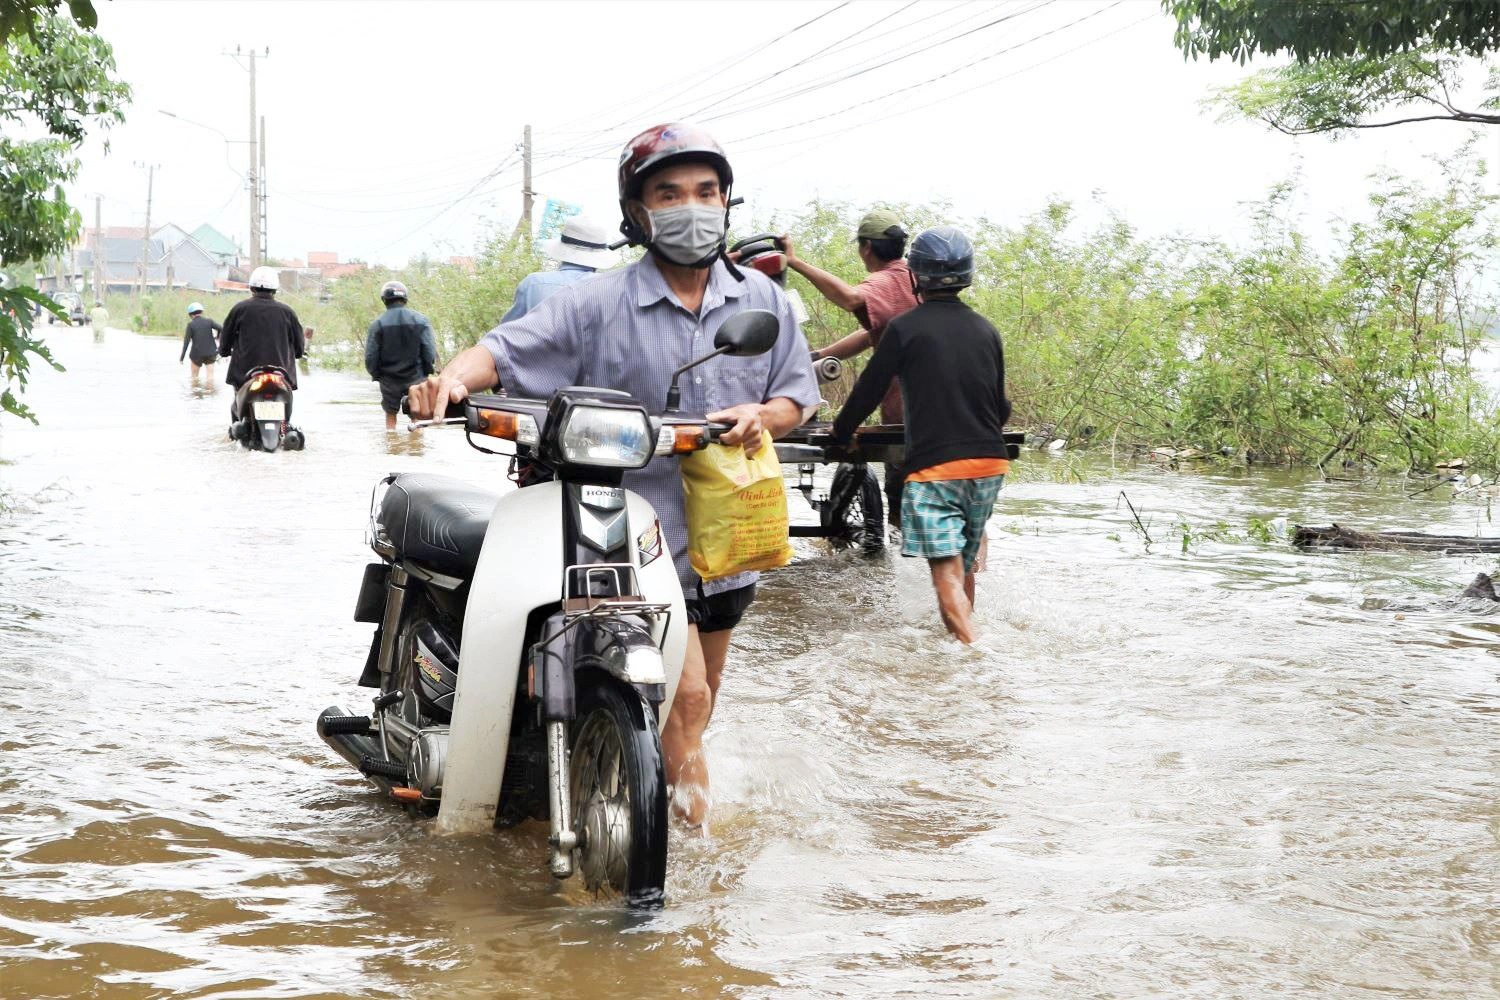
(1138, 525)
(1338, 537)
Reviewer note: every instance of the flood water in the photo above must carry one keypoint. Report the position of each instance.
(1236, 771)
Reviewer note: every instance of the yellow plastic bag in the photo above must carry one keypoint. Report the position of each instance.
(736, 510)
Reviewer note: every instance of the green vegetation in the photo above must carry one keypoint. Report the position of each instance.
(1241, 28)
(55, 82)
(1269, 352)
(1354, 61)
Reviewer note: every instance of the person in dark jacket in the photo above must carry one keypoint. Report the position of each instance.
(400, 350)
(260, 331)
(199, 342)
(952, 370)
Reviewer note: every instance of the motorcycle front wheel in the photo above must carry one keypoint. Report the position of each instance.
(618, 791)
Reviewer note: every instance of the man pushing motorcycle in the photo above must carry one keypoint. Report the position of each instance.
(629, 329)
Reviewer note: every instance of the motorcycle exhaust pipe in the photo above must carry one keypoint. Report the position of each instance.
(828, 369)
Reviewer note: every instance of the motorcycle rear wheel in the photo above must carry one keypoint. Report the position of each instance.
(618, 790)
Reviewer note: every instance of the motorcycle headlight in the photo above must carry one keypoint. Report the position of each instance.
(613, 438)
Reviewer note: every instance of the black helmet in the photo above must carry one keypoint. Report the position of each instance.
(941, 258)
(391, 291)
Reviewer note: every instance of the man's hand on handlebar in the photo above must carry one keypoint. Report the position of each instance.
(748, 420)
(432, 397)
(788, 249)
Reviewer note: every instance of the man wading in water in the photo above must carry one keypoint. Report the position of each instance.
(952, 370)
(198, 341)
(399, 349)
(628, 329)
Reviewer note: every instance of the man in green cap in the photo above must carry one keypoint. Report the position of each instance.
(885, 294)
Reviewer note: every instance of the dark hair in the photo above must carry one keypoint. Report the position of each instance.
(888, 249)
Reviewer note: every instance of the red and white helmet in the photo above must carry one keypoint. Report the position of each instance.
(657, 148)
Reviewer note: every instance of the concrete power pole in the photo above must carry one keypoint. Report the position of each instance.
(265, 239)
(523, 225)
(99, 290)
(146, 236)
(254, 176)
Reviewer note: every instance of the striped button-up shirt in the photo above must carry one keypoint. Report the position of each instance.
(625, 329)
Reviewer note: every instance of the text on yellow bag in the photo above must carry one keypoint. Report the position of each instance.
(736, 510)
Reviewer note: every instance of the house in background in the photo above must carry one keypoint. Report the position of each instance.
(225, 253)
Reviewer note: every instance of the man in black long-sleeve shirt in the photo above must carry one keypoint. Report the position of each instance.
(199, 339)
(952, 370)
(261, 331)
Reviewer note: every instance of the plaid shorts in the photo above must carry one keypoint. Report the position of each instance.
(946, 517)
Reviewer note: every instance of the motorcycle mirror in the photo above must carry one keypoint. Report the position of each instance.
(747, 334)
(742, 335)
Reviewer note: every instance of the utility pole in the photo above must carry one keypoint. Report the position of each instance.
(523, 225)
(146, 236)
(98, 252)
(254, 177)
(265, 240)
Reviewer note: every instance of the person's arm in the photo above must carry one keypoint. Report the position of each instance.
(231, 333)
(1004, 399)
(469, 371)
(531, 357)
(299, 342)
(372, 349)
(187, 336)
(871, 387)
(833, 288)
(791, 392)
(845, 347)
(429, 348)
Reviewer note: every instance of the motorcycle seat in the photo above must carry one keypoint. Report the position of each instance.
(437, 521)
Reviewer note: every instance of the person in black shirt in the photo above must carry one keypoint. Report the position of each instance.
(260, 331)
(952, 370)
(198, 342)
(400, 350)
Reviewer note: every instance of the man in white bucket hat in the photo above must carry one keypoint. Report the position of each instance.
(580, 249)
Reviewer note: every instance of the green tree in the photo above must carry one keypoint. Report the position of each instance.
(1333, 28)
(54, 82)
(1358, 65)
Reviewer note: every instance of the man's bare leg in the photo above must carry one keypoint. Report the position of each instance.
(682, 736)
(196, 366)
(715, 652)
(390, 421)
(954, 601)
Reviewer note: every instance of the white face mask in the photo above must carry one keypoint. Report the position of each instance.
(688, 235)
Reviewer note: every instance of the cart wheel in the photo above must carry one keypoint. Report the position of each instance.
(855, 509)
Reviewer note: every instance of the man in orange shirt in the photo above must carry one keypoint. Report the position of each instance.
(952, 370)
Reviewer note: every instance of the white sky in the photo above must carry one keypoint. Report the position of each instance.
(381, 115)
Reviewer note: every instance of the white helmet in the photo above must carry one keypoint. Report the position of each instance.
(265, 277)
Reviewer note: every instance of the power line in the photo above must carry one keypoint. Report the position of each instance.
(882, 65)
(823, 138)
(821, 53)
(691, 81)
(933, 79)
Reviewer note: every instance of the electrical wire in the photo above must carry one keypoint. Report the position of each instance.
(823, 138)
(813, 87)
(934, 79)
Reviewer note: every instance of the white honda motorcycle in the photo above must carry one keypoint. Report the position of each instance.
(529, 645)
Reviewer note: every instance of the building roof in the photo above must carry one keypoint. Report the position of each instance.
(214, 241)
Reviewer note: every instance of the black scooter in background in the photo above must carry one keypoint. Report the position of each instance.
(263, 411)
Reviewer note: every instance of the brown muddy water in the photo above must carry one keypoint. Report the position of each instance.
(1237, 771)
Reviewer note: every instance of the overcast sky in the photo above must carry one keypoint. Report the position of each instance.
(387, 121)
